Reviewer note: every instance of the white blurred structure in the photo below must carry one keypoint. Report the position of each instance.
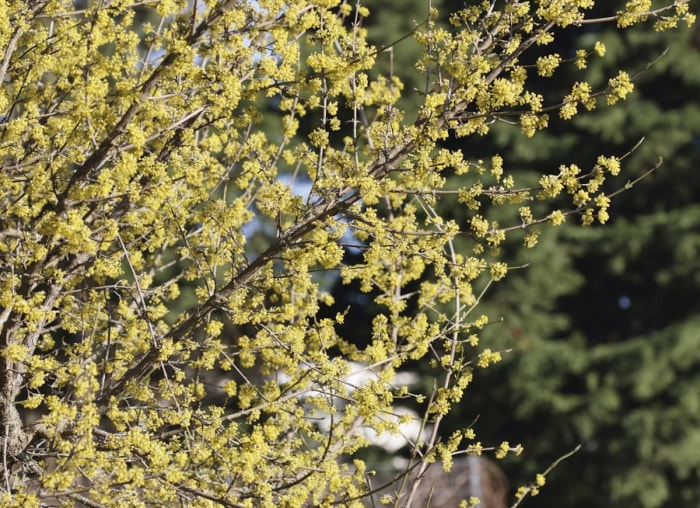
(409, 432)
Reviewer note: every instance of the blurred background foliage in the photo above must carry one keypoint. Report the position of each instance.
(604, 322)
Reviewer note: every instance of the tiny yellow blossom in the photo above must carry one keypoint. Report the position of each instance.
(557, 218)
(599, 48)
(488, 357)
(619, 87)
(546, 65)
(498, 270)
(503, 450)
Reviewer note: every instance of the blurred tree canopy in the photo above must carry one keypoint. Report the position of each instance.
(616, 367)
(183, 183)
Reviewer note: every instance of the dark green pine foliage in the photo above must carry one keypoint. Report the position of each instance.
(604, 323)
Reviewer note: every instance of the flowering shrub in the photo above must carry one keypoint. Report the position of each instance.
(152, 353)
